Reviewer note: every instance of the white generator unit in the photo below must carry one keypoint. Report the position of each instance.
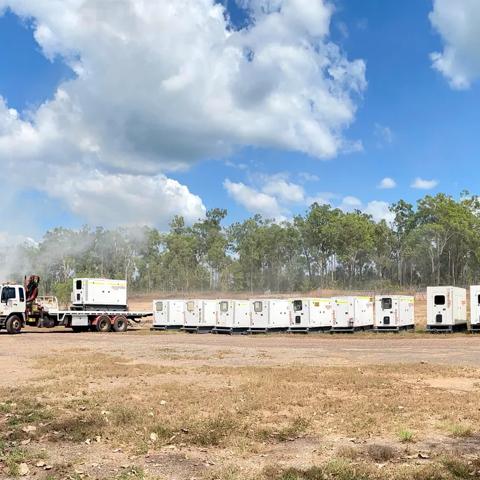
(168, 314)
(311, 315)
(270, 315)
(446, 309)
(233, 316)
(200, 315)
(352, 313)
(475, 308)
(99, 293)
(394, 313)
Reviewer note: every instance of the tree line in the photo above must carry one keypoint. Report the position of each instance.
(437, 241)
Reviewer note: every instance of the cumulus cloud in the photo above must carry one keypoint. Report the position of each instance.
(322, 198)
(387, 183)
(161, 85)
(379, 210)
(457, 22)
(271, 195)
(275, 196)
(285, 191)
(350, 203)
(253, 200)
(422, 184)
(137, 199)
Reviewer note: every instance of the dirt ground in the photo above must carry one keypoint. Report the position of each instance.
(174, 406)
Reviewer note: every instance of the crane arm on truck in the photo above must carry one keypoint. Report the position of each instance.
(31, 288)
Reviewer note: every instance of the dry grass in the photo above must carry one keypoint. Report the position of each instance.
(458, 430)
(245, 411)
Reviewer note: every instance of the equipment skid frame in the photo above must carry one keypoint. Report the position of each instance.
(197, 329)
(459, 327)
(309, 329)
(393, 328)
(258, 331)
(365, 328)
(231, 330)
(165, 327)
(475, 328)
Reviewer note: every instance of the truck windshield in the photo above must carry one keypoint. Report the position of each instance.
(7, 294)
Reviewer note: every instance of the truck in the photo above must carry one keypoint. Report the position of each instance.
(97, 304)
(12, 307)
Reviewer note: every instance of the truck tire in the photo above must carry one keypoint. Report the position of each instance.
(103, 323)
(120, 323)
(14, 325)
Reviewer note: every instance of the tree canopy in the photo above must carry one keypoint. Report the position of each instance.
(437, 241)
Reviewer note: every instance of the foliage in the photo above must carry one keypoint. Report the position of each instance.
(438, 241)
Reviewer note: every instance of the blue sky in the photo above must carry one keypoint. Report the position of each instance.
(410, 121)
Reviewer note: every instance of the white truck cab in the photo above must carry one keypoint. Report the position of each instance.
(12, 307)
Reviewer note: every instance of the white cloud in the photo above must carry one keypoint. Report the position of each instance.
(308, 177)
(423, 184)
(384, 134)
(272, 195)
(139, 200)
(457, 22)
(161, 85)
(387, 183)
(350, 203)
(379, 210)
(322, 198)
(285, 191)
(274, 199)
(253, 200)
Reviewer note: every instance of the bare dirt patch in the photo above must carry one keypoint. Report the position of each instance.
(178, 406)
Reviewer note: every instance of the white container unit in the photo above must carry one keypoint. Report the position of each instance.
(446, 309)
(269, 315)
(394, 312)
(311, 314)
(475, 308)
(200, 315)
(168, 314)
(352, 313)
(101, 293)
(233, 316)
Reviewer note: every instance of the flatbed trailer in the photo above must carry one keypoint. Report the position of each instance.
(97, 320)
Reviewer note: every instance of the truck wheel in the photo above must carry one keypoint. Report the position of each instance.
(103, 323)
(14, 325)
(120, 323)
